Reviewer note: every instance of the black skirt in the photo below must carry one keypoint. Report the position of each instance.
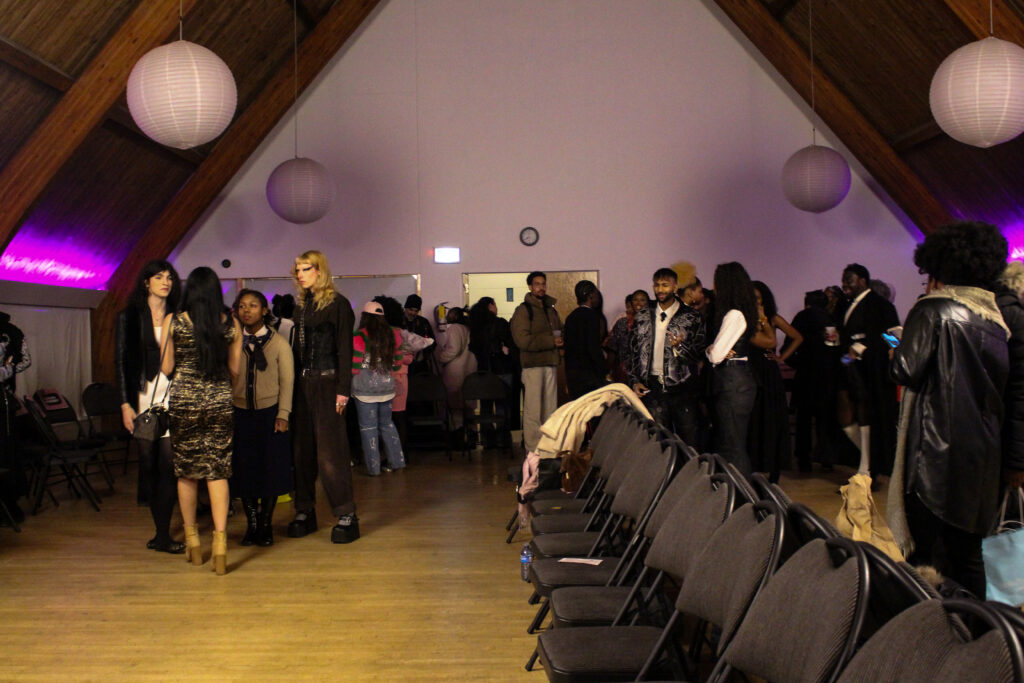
(262, 461)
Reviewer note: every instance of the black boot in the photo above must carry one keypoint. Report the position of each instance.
(252, 520)
(346, 530)
(303, 524)
(267, 521)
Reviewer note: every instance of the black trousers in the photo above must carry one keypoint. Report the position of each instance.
(156, 476)
(954, 552)
(676, 411)
(321, 447)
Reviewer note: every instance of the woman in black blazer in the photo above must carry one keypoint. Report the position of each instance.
(142, 384)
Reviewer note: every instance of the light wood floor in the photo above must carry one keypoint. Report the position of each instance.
(430, 592)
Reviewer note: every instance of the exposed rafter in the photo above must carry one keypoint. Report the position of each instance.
(975, 16)
(236, 145)
(838, 113)
(81, 109)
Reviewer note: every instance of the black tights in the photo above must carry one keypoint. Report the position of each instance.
(157, 464)
(954, 552)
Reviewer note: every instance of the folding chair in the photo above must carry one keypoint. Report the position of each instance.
(926, 643)
(101, 400)
(428, 413)
(718, 588)
(57, 411)
(492, 393)
(70, 462)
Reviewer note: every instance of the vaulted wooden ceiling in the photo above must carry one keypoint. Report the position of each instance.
(84, 196)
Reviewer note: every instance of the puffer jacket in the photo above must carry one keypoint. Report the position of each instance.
(533, 325)
(954, 356)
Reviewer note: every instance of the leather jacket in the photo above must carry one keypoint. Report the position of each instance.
(1013, 421)
(137, 357)
(323, 340)
(956, 362)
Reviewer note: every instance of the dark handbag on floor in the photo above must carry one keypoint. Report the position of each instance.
(574, 468)
(152, 423)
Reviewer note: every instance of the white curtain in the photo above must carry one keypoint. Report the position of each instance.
(60, 343)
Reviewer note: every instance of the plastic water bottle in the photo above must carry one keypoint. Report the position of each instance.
(525, 558)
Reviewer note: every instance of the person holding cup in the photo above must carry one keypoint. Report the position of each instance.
(537, 331)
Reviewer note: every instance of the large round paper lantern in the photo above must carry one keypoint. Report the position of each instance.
(977, 93)
(300, 190)
(816, 178)
(181, 94)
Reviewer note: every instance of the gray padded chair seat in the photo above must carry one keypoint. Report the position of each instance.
(550, 573)
(568, 653)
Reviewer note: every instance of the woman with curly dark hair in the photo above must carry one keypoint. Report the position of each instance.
(953, 360)
(733, 384)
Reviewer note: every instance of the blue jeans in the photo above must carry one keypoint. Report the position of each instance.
(735, 391)
(375, 428)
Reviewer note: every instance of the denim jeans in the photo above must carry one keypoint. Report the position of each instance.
(375, 429)
(735, 391)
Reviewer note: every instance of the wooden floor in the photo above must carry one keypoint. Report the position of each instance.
(430, 592)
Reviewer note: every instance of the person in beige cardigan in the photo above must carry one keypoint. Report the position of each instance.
(262, 398)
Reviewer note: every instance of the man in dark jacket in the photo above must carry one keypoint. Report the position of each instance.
(666, 345)
(537, 331)
(586, 368)
(865, 380)
(953, 359)
(813, 383)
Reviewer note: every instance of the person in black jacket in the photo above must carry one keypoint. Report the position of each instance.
(813, 397)
(142, 385)
(953, 360)
(323, 379)
(1008, 292)
(586, 368)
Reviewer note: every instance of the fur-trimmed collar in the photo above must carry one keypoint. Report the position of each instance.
(980, 301)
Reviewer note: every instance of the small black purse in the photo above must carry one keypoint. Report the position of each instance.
(152, 423)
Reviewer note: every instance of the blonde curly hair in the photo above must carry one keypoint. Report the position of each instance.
(323, 288)
(1013, 278)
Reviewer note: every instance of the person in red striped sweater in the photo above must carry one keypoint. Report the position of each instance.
(375, 355)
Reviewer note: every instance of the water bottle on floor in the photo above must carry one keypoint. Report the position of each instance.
(525, 558)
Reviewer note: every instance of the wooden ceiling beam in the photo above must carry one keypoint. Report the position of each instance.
(838, 113)
(31, 65)
(80, 110)
(974, 14)
(235, 146)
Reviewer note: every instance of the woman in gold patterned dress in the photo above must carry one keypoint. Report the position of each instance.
(205, 346)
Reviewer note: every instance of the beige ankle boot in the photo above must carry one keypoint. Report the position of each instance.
(220, 552)
(193, 550)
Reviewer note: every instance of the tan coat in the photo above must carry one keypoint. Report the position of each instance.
(273, 385)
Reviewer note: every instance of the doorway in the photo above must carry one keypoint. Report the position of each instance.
(508, 289)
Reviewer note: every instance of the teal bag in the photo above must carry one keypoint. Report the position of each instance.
(1003, 553)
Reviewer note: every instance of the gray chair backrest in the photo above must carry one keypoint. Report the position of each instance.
(693, 471)
(922, 643)
(648, 476)
(802, 625)
(734, 565)
(618, 466)
(686, 530)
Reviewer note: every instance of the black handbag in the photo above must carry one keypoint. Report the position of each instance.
(152, 423)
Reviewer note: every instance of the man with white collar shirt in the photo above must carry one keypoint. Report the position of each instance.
(666, 344)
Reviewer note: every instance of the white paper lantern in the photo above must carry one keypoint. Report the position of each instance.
(977, 93)
(300, 190)
(816, 178)
(181, 94)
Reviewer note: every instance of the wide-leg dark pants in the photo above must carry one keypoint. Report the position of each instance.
(321, 447)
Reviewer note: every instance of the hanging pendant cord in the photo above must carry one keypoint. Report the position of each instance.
(295, 71)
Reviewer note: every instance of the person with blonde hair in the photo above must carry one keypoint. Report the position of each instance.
(323, 357)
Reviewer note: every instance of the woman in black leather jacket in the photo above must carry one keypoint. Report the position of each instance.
(156, 293)
(954, 360)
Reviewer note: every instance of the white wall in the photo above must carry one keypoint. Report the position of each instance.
(631, 134)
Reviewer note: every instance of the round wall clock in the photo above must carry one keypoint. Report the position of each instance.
(529, 236)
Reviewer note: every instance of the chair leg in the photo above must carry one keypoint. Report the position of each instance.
(532, 661)
(512, 520)
(538, 619)
(8, 516)
(659, 647)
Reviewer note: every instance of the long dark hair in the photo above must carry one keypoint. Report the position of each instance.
(140, 295)
(733, 289)
(394, 313)
(204, 303)
(380, 341)
(767, 299)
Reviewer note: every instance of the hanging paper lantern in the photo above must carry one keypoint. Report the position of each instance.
(300, 190)
(816, 178)
(977, 93)
(181, 94)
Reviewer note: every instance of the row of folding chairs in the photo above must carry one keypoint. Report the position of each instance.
(689, 557)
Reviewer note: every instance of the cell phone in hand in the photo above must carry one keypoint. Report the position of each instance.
(891, 339)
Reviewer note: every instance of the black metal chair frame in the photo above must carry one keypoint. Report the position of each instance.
(485, 386)
(430, 390)
(70, 462)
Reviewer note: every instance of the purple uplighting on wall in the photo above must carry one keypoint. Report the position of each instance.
(40, 261)
(1014, 234)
